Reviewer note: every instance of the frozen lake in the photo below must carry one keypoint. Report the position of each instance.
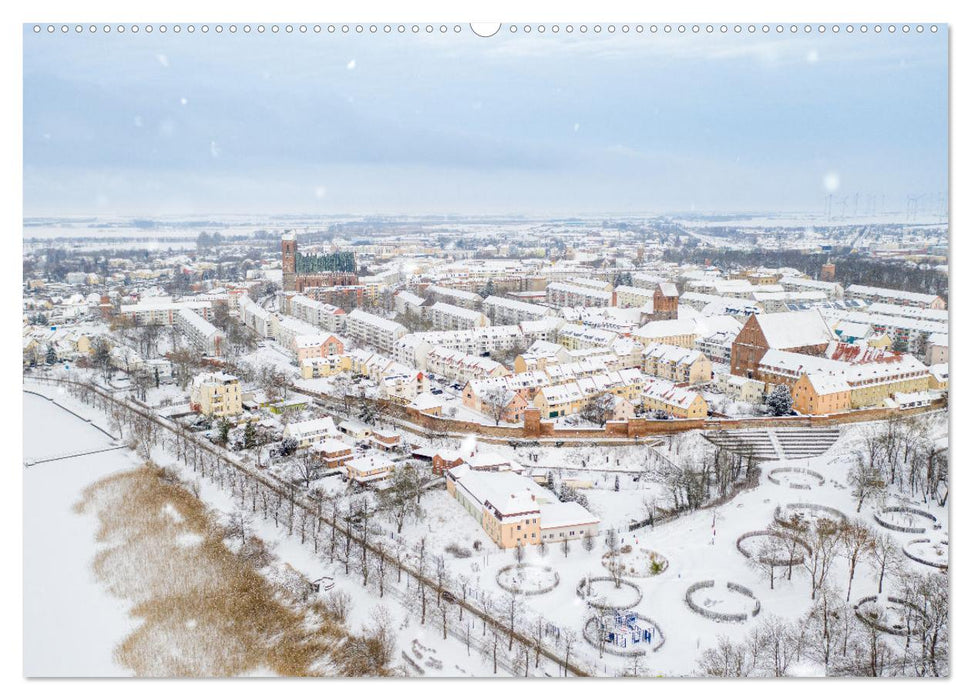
(71, 624)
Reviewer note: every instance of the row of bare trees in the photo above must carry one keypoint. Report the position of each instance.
(346, 533)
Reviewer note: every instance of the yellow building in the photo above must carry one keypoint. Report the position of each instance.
(662, 395)
(820, 394)
(216, 394)
(670, 332)
(316, 367)
(514, 510)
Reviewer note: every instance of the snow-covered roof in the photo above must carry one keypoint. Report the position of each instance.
(557, 515)
(883, 292)
(311, 428)
(794, 329)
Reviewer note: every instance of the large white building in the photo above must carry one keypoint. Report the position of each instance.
(200, 332)
(502, 310)
(449, 317)
(374, 330)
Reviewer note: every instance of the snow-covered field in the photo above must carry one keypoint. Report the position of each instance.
(71, 624)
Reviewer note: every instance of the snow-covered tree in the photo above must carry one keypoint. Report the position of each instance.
(779, 400)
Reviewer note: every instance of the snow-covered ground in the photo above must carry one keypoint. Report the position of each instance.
(71, 623)
(698, 546)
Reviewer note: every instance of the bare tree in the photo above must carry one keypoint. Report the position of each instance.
(569, 642)
(866, 479)
(884, 556)
(494, 402)
(726, 659)
(823, 540)
(856, 541)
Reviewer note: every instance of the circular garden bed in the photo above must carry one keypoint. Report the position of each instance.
(796, 478)
(635, 562)
(775, 548)
(890, 614)
(603, 593)
(724, 602)
(799, 515)
(905, 519)
(928, 552)
(527, 579)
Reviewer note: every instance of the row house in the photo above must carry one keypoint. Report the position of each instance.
(906, 334)
(540, 355)
(872, 377)
(677, 364)
(576, 337)
(325, 366)
(663, 395)
(459, 366)
(317, 346)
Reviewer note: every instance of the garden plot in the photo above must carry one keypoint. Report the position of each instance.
(803, 515)
(722, 601)
(636, 562)
(799, 478)
(888, 614)
(527, 579)
(605, 593)
(930, 552)
(905, 519)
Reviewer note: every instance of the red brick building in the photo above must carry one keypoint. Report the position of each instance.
(665, 302)
(804, 332)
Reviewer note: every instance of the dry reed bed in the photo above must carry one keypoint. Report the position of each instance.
(205, 610)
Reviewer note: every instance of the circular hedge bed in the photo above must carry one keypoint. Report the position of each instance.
(795, 514)
(746, 605)
(601, 592)
(891, 618)
(635, 562)
(796, 477)
(782, 539)
(905, 519)
(924, 551)
(527, 579)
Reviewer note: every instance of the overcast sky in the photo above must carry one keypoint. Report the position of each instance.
(538, 124)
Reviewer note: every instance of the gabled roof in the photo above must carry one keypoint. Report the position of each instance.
(794, 329)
